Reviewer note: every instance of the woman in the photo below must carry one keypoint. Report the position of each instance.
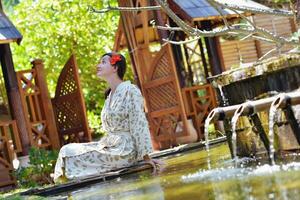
(128, 138)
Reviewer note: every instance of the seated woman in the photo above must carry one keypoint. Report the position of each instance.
(128, 138)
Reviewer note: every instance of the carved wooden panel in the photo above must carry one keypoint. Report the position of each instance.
(69, 107)
(164, 100)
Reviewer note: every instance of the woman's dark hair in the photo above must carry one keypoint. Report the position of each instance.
(121, 68)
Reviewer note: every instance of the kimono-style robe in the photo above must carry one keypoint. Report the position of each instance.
(126, 142)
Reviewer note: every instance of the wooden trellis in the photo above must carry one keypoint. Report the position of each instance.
(69, 107)
(38, 108)
(163, 97)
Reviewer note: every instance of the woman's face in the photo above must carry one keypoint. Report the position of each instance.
(104, 68)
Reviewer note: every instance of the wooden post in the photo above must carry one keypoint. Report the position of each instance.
(190, 71)
(163, 34)
(177, 55)
(179, 64)
(130, 40)
(203, 59)
(219, 52)
(211, 44)
(14, 97)
(46, 104)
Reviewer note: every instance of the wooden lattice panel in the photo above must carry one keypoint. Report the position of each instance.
(162, 97)
(68, 85)
(9, 144)
(67, 116)
(199, 101)
(69, 106)
(163, 68)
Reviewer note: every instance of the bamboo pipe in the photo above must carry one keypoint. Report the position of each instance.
(285, 102)
(251, 107)
(286, 99)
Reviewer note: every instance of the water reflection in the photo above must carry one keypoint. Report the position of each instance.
(187, 177)
(123, 188)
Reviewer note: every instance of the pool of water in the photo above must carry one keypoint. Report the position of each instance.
(188, 176)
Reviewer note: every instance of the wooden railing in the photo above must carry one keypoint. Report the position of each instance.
(37, 105)
(199, 101)
(9, 146)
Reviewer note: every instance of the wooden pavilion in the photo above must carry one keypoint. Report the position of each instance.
(173, 78)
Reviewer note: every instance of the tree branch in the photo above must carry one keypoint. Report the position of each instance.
(247, 30)
(222, 31)
(182, 42)
(109, 8)
(269, 11)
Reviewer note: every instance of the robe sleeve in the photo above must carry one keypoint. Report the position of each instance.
(138, 123)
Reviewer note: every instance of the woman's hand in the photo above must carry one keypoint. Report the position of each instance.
(157, 165)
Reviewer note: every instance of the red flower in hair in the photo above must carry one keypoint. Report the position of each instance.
(114, 59)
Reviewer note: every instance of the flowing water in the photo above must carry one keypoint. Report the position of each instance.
(272, 114)
(206, 126)
(223, 97)
(187, 177)
(234, 136)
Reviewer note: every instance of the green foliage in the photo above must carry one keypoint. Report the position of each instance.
(8, 5)
(52, 30)
(95, 124)
(42, 163)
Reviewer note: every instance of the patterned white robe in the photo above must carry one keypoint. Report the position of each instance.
(126, 142)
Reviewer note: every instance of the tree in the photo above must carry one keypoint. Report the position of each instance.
(9, 4)
(52, 30)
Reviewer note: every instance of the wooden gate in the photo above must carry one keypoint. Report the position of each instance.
(37, 105)
(69, 107)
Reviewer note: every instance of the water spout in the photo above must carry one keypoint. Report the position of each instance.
(206, 126)
(250, 108)
(223, 97)
(283, 101)
(272, 114)
(234, 120)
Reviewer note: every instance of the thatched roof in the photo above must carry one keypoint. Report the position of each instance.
(8, 32)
